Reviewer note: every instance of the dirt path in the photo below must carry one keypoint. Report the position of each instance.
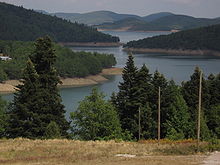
(213, 159)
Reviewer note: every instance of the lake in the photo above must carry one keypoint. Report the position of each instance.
(176, 67)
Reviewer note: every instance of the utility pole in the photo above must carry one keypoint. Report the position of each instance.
(139, 123)
(199, 110)
(158, 133)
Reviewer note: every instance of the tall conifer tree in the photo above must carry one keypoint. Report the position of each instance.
(22, 113)
(3, 117)
(158, 80)
(176, 124)
(191, 95)
(38, 102)
(213, 114)
(126, 100)
(143, 93)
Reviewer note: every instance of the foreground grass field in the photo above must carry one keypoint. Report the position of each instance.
(68, 152)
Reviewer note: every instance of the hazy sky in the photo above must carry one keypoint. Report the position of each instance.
(197, 8)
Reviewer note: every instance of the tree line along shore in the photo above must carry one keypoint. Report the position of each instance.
(69, 64)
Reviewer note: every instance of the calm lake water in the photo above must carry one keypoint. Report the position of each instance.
(176, 67)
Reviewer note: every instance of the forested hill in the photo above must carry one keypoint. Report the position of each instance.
(68, 64)
(206, 38)
(18, 23)
(160, 22)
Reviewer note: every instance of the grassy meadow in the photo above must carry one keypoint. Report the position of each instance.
(66, 152)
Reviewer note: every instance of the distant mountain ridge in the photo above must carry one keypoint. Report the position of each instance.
(92, 18)
(155, 16)
(163, 21)
(100, 17)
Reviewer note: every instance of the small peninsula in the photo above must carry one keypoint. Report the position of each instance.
(202, 41)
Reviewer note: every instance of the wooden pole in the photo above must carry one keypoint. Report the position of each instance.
(139, 123)
(158, 135)
(199, 110)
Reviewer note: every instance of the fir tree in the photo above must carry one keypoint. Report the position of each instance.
(213, 115)
(3, 118)
(176, 125)
(126, 100)
(143, 93)
(191, 96)
(50, 105)
(143, 85)
(37, 102)
(22, 113)
(158, 80)
(213, 83)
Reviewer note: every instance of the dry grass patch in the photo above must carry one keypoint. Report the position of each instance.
(66, 152)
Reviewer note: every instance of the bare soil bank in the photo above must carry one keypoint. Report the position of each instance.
(173, 51)
(9, 86)
(92, 44)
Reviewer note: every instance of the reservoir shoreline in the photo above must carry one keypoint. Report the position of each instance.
(9, 86)
(127, 30)
(91, 44)
(173, 51)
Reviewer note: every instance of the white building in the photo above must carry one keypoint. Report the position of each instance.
(5, 58)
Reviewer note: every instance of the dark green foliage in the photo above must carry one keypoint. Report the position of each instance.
(143, 92)
(44, 59)
(213, 112)
(177, 120)
(206, 38)
(52, 131)
(3, 75)
(23, 115)
(95, 119)
(19, 52)
(158, 80)
(68, 64)
(3, 118)
(213, 83)
(81, 64)
(191, 95)
(126, 100)
(18, 23)
(179, 105)
(37, 102)
(213, 118)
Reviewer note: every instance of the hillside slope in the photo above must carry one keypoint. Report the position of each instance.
(101, 17)
(132, 24)
(18, 23)
(163, 23)
(184, 22)
(94, 18)
(156, 16)
(206, 38)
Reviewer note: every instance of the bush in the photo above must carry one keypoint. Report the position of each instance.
(52, 131)
(172, 134)
(96, 119)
